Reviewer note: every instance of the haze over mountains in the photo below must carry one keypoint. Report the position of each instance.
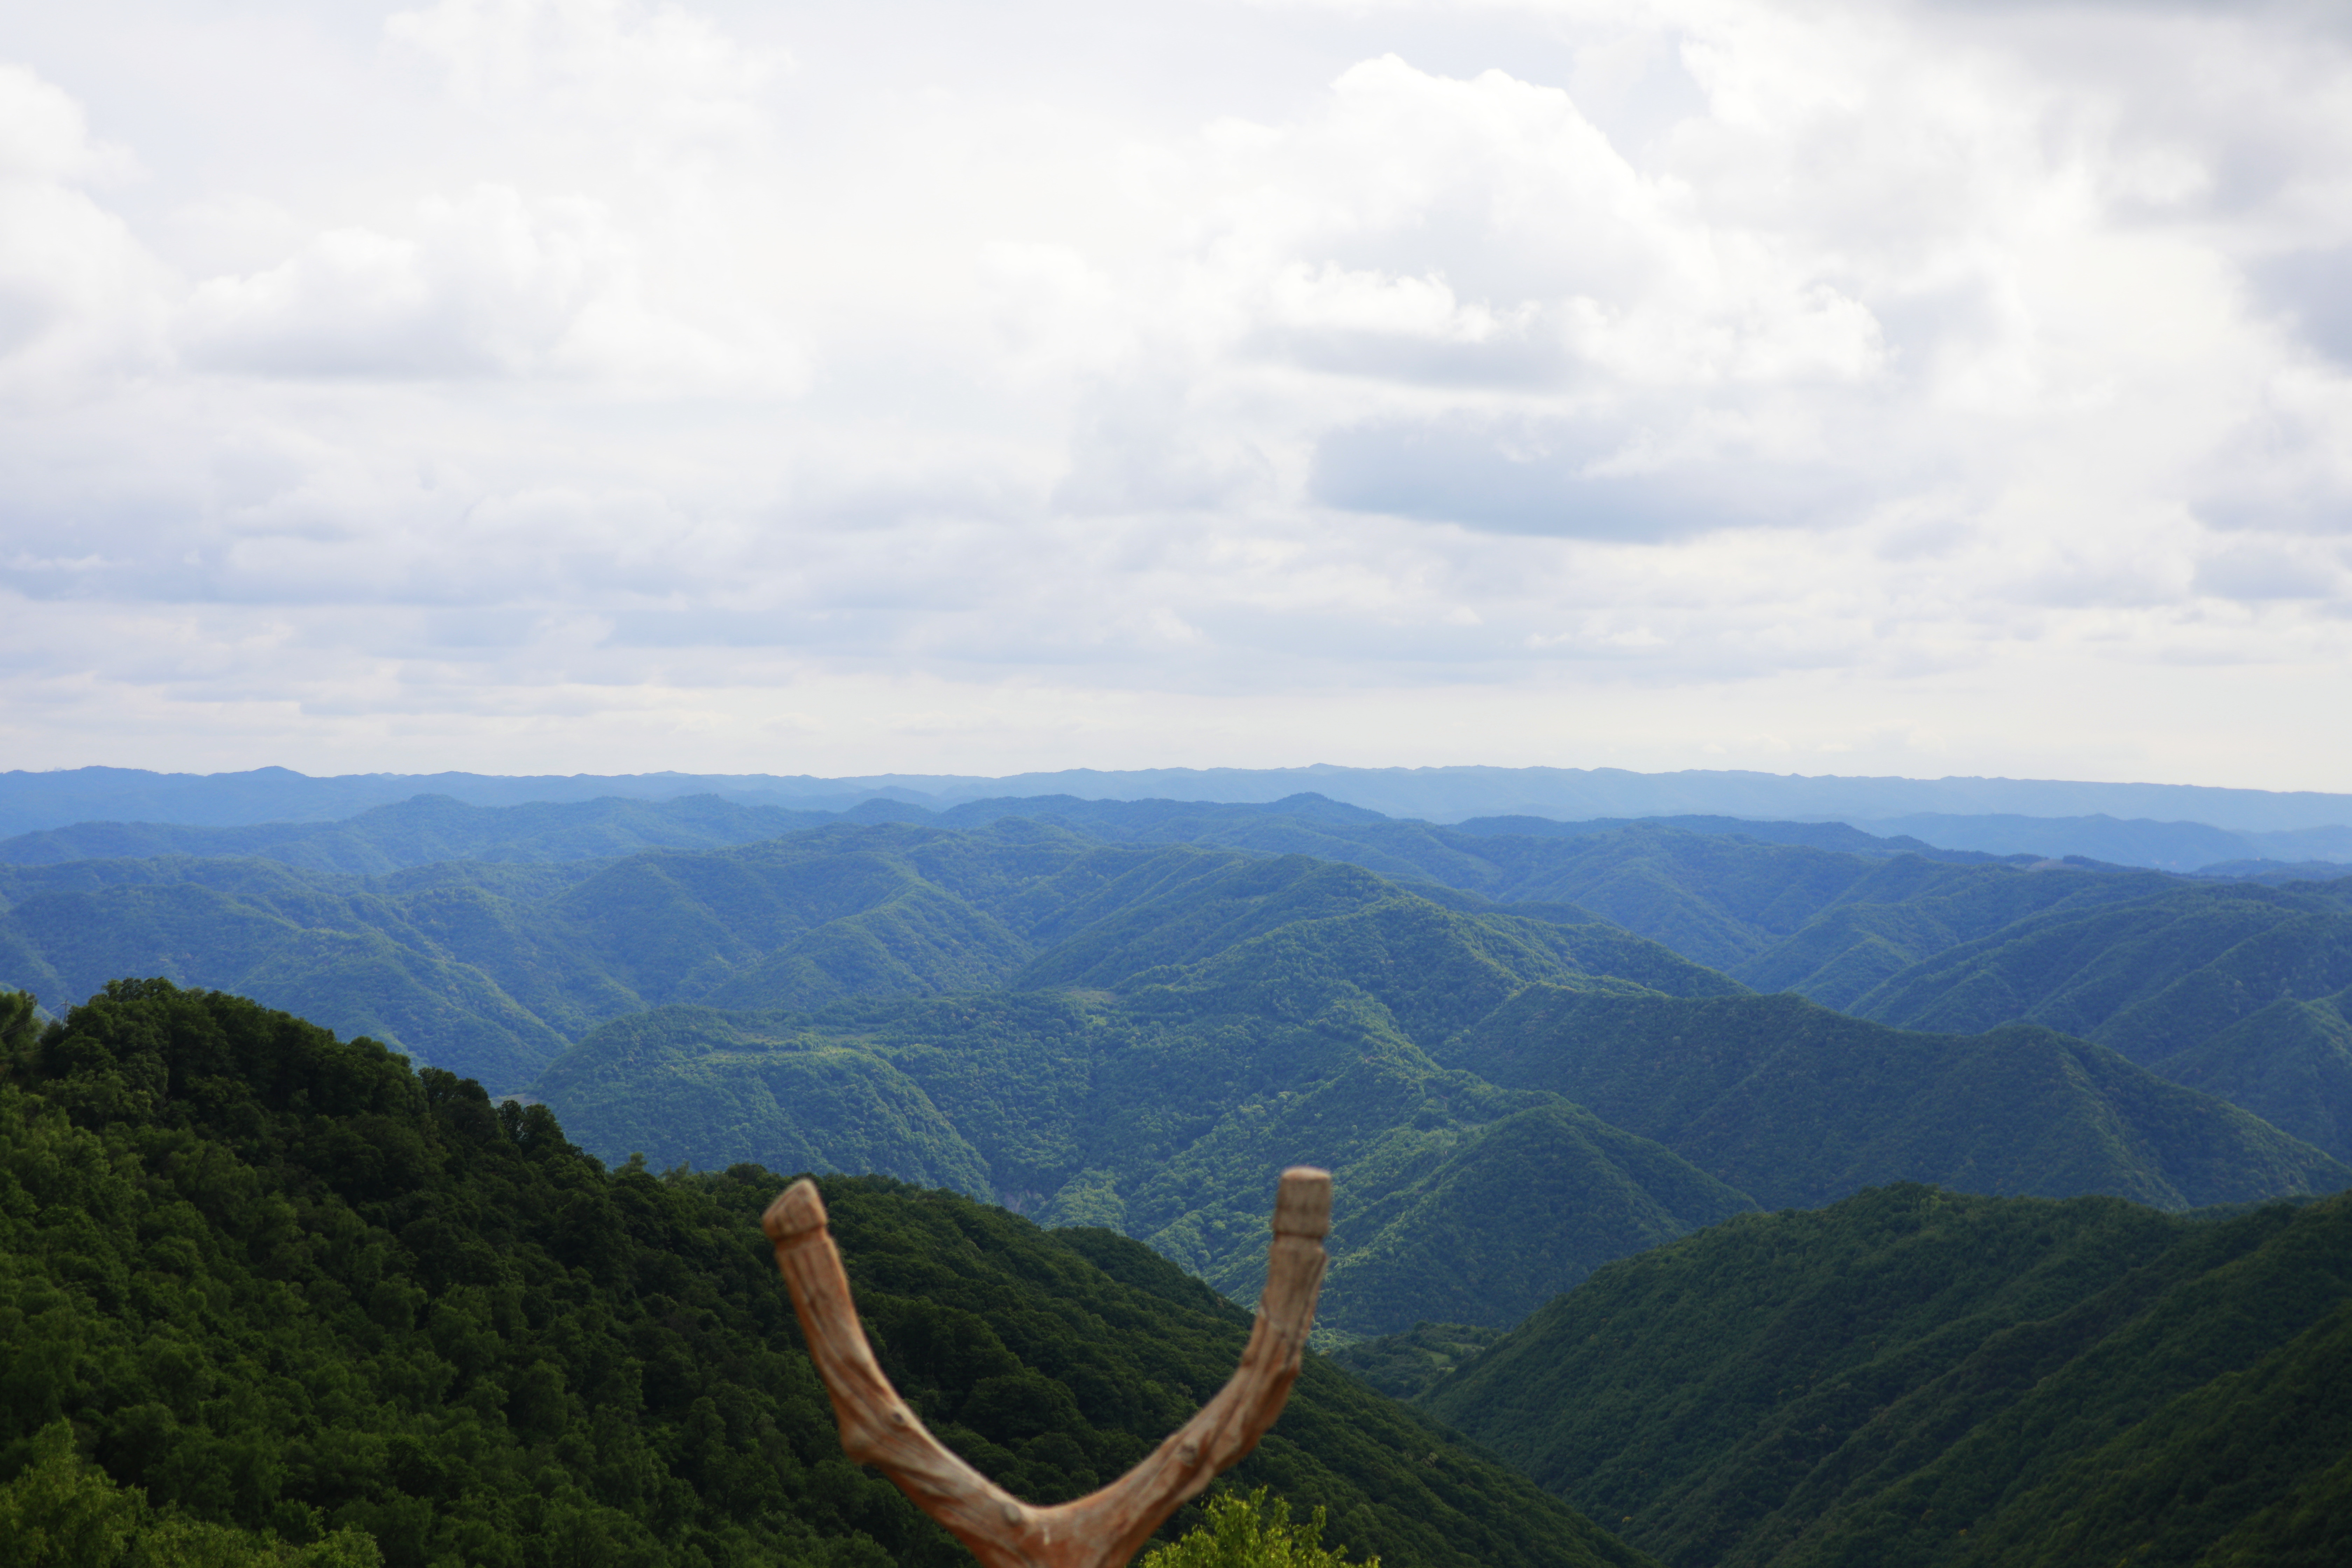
(2176, 826)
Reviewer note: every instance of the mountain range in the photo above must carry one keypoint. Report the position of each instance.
(1769, 1192)
(434, 920)
(1524, 1053)
(2174, 826)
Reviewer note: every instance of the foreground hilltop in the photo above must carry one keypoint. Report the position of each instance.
(282, 1299)
(298, 1294)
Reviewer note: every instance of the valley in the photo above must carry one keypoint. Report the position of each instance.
(1543, 1061)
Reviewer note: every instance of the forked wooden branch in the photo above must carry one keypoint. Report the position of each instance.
(1105, 1529)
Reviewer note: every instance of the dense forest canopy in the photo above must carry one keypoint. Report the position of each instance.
(286, 1286)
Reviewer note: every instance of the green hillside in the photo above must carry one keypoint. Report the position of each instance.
(2290, 1063)
(1508, 1120)
(2225, 989)
(1464, 1198)
(1908, 913)
(2150, 977)
(1794, 1104)
(1295, 923)
(1721, 893)
(1730, 901)
(1815, 907)
(1509, 1218)
(1406, 1365)
(287, 1287)
(696, 1085)
(473, 963)
(334, 945)
(1503, 1132)
(492, 969)
(428, 828)
(1916, 1377)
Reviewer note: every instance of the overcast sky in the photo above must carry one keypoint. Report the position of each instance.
(552, 385)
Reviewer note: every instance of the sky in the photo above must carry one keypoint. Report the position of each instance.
(588, 386)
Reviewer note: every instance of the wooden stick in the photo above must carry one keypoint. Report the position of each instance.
(1103, 1529)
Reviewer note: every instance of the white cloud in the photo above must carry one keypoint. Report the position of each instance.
(489, 285)
(44, 135)
(1705, 369)
(78, 297)
(648, 78)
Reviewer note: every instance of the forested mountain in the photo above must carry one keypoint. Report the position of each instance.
(1407, 1364)
(2171, 845)
(1508, 1106)
(1917, 1377)
(1797, 1105)
(2150, 977)
(2275, 873)
(2289, 1062)
(299, 1293)
(1131, 1035)
(2236, 989)
(1816, 907)
(1528, 1052)
(36, 800)
(1565, 1127)
(1811, 906)
(430, 828)
(1165, 1120)
(491, 969)
(426, 829)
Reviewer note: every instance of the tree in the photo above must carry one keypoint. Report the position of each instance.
(62, 1511)
(20, 1031)
(1250, 1530)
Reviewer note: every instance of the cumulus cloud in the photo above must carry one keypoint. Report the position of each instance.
(79, 297)
(488, 285)
(632, 122)
(1737, 373)
(651, 79)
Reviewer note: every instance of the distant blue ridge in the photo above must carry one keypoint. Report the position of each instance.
(106, 812)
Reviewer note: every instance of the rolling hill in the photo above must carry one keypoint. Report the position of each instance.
(1133, 1033)
(1912, 1377)
(493, 968)
(1504, 1123)
(2150, 977)
(1165, 1124)
(430, 828)
(1797, 1105)
(2234, 989)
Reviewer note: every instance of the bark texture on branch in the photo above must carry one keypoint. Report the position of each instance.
(1103, 1529)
